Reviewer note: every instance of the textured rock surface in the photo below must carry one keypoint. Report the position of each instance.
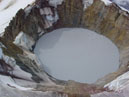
(9, 92)
(110, 20)
(41, 18)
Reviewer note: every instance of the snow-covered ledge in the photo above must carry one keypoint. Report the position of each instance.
(24, 41)
(119, 83)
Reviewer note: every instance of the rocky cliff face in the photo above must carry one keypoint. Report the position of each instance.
(29, 24)
(109, 20)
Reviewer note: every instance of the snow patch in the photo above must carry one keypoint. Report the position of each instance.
(46, 11)
(9, 60)
(87, 3)
(124, 9)
(121, 2)
(7, 80)
(4, 4)
(17, 71)
(107, 2)
(24, 41)
(40, 31)
(28, 9)
(1, 45)
(118, 2)
(22, 74)
(50, 17)
(119, 83)
(8, 10)
(55, 2)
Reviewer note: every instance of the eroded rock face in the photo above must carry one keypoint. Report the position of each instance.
(109, 21)
(42, 17)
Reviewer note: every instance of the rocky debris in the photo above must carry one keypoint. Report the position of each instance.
(6, 91)
(72, 87)
(112, 76)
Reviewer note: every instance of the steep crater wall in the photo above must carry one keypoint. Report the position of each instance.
(33, 21)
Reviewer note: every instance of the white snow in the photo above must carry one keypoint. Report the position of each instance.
(77, 54)
(55, 2)
(119, 83)
(7, 80)
(24, 41)
(22, 74)
(40, 31)
(118, 2)
(87, 3)
(17, 71)
(4, 4)
(28, 9)
(107, 2)
(48, 24)
(1, 45)
(11, 83)
(8, 9)
(50, 18)
(121, 2)
(124, 9)
(46, 11)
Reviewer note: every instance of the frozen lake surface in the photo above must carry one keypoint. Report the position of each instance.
(77, 54)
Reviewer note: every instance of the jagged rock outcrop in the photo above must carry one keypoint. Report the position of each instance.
(40, 18)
